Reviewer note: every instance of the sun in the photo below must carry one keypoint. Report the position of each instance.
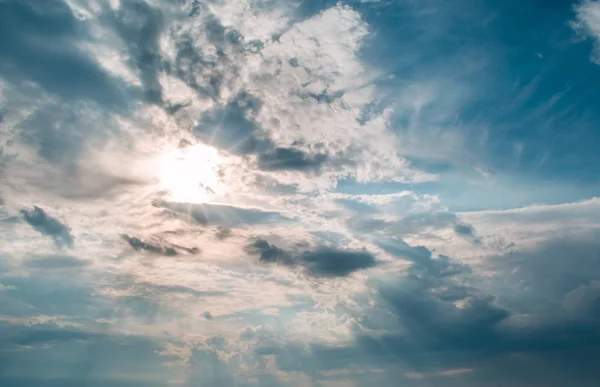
(190, 174)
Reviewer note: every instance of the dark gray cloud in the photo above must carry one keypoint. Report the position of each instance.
(429, 328)
(47, 225)
(139, 245)
(463, 229)
(320, 261)
(268, 253)
(224, 215)
(56, 262)
(331, 262)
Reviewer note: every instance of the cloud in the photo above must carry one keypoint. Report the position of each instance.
(269, 253)
(140, 245)
(588, 22)
(407, 324)
(400, 214)
(223, 233)
(538, 278)
(233, 126)
(329, 262)
(319, 261)
(422, 259)
(47, 225)
(463, 229)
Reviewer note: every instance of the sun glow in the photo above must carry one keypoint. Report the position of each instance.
(190, 174)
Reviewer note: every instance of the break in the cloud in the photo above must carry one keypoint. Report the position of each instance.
(307, 193)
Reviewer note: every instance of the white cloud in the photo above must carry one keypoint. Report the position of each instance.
(588, 23)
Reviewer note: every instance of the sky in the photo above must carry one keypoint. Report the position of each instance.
(299, 193)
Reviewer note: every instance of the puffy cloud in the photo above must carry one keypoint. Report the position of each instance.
(463, 229)
(330, 262)
(269, 253)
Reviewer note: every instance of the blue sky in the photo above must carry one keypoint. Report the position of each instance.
(299, 193)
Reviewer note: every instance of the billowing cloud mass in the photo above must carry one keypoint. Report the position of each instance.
(299, 193)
